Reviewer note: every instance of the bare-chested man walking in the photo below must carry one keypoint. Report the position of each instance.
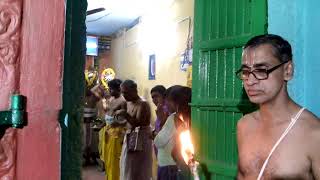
(136, 155)
(281, 140)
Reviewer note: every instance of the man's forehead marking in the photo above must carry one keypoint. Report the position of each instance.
(249, 58)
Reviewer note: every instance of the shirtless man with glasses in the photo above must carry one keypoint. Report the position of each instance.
(281, 140)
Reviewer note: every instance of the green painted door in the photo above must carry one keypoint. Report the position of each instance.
(73, 89)
(222, 27)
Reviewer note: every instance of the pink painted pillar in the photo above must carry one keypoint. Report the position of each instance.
(41, 69)
(10, 33)
(31, 63)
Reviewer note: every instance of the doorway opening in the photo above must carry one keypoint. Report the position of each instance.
(145, 41)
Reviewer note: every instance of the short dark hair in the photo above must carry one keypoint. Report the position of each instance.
(281, 47)
(160, 89)
(130, 84)
(115, 84)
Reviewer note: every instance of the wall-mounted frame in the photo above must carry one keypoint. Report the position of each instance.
(152, 67)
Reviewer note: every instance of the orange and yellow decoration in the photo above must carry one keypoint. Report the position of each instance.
(106, 76)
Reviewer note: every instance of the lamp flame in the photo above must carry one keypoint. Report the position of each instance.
(187, 149)
(187, 152)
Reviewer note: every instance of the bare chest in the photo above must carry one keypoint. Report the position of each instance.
(114, 105)
(288, 161)
(133, 109)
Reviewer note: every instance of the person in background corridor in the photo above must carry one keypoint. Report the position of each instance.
(162, 112)
(178, 99)
(90, 142)
(136, 155)
(115, 130)
(103, 95)
(165, 140)
(281, 140)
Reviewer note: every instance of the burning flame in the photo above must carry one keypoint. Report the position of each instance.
(181, 117)
(187, 149)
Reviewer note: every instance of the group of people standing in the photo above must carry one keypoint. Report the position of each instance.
(126, 138)
(173, 115)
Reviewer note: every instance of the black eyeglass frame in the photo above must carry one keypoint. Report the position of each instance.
(268, 71)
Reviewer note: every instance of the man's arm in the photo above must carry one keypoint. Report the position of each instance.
(142, 117)
(240, 127)
(240, 175)
(99, 92)
(162, 115)
(120, 121)
(128, 117)
(315, 156)
(143, 114)
(2, 154)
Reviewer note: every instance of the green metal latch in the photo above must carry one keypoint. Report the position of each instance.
(15, 117)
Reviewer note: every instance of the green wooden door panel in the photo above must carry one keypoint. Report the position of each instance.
(73, 90)
(222, 27)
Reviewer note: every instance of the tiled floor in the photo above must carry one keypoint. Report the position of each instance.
(92, 173)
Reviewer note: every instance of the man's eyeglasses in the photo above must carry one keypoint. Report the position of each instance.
(260, 73)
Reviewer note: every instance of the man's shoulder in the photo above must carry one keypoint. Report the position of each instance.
(247, 120)
(246, 126)
(119, 100)
(122, 99)
(143, 104)
(143, 101)
(310, 121)
(311, 129)
(314, 121)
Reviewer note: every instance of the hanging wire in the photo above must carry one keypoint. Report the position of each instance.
(188, 43)
(97, 19)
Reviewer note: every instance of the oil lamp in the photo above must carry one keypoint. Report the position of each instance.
(187, 152)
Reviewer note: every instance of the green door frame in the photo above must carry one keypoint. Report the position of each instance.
(73, 89)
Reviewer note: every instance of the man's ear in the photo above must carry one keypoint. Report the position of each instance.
(288, 71)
